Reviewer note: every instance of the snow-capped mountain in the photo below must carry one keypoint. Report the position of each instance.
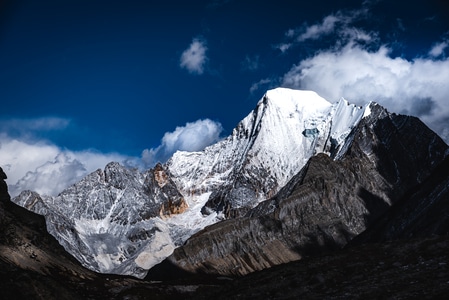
(255, 161)
(124, 221)
(390, 171)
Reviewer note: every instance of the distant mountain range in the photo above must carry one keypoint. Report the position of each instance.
(297, 177)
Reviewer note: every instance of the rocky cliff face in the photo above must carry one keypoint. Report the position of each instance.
(110, 217)
(422, 212)
(33, 265)
(333, 199)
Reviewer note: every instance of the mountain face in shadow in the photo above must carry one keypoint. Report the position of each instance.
(329, 202)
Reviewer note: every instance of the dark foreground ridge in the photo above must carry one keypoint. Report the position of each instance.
(408, 269)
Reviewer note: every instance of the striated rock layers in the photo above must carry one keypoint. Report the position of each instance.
(421, 213)
(34, 266)
(330, 201)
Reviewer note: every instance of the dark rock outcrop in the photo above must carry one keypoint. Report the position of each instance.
(159, 184)
(30, 257)
(327, 204)
(411, 269)
(422, 212)
(4, 195)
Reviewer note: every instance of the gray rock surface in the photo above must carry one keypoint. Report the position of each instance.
(422, 212)
(107, 219)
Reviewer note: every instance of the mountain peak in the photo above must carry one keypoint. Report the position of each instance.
(113, 220)
(291, 100)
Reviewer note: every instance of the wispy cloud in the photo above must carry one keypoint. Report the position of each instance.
(33, 163)
(193, 136)
(266, 82)
(194, 58)
(317, 30)
(283, 47)
(22, 127)
(438, 49)
(339, 23)
(251, 63)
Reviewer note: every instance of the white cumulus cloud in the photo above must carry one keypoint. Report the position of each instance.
(19, 157)
(438, 49)
(39, 165)
(194, 57)
(44, 167)
(51, 177)
(193, 136)
(417, 87)
(356, 65)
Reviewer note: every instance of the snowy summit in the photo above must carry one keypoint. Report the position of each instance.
(125, 222)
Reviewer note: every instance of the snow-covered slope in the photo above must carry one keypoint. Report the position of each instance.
(266, 148)
(271, 133)
(123, 221)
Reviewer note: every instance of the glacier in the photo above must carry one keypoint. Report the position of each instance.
(124, 221)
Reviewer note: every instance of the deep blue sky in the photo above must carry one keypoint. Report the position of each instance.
(112, 67)
(108, 73)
